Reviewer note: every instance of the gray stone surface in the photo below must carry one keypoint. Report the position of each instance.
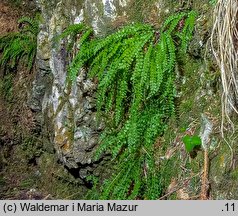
(69, 108)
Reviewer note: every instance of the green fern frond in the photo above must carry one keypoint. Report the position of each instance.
(20, 45)
(187, 31)
(171, 52)
(72, 30)
(171, 22)
(31, 25)
(135, 73)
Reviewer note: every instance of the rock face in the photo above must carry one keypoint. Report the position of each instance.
(69, 112)
(67, 109)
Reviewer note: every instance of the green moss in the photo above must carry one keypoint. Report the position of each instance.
(194, 99)
(42, 174)
(139, 10)
(32, 147)
(55, 180)
(6, 87)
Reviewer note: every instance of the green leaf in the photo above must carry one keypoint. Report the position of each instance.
(191, 142)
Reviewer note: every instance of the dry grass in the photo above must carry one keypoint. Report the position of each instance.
(224, 40)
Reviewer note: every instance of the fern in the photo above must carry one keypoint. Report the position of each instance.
(188, 30)
(31, 26)
(135, 71)
(73, 32)
(20, 46)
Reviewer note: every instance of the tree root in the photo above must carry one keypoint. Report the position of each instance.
(205, 182)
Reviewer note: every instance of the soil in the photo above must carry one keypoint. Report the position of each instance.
(8, 18)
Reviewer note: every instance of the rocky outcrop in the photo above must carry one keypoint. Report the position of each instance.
(68, 109)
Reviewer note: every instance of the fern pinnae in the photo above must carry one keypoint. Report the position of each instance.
(188, 30)
(79, 61)
(136, 188)
(110, 184)
(104, 65)
(136, 79)
(111, 39)
(159, 59)
(120, 99)
(101, 98)
(110, 75)
(32, 25)
(75, 67)
(72, 30)
(136, 90)
(154, 187)
(164, 53)
(172, 55)
(20, 45)
(153, 80)
(174, 23)
(110, 101)
(172, 19)
(146, 66)
(106, 142)
(99, 65)
(123, 185)
(85, 36)
(113, 50)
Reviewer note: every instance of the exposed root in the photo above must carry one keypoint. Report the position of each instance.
(205, 182)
